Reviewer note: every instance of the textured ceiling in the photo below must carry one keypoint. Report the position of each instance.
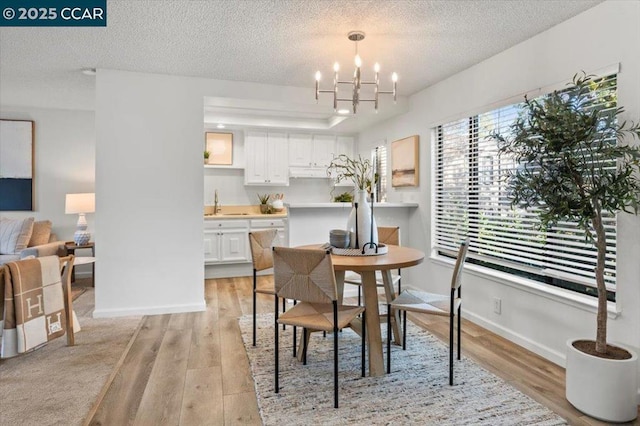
(274, 42)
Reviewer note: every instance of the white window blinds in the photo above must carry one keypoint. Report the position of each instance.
(471, 199)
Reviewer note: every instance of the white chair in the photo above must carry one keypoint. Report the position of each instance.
(432, 304)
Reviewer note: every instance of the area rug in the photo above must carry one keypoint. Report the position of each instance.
(417, 391)
(58, 384)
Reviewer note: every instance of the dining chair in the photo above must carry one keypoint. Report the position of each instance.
(386, 235)
(432, 304)
(260, 243)
(307, 275)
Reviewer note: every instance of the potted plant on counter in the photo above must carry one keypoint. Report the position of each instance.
(574, 167)
(360, 172)
(206, 157)
(264, 203)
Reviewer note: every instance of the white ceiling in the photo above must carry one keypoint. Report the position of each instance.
(279, 42)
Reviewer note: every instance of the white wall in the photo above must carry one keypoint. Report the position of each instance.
(605, 35)
(64, 163)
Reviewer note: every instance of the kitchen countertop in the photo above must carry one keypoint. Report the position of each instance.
(242, 212)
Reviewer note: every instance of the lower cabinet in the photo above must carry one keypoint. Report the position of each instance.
(282, 238)
(226, 241)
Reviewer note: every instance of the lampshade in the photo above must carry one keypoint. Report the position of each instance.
(80, 203)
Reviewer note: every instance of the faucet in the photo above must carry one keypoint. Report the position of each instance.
(216, 206)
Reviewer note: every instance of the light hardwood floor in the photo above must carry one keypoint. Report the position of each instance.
(192, 369)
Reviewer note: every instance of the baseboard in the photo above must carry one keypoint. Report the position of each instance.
(535, 347)
(155, 310)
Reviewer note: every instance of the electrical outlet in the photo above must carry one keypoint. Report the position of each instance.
(497, 305)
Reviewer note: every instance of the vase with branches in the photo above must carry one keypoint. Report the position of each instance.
(361, 223)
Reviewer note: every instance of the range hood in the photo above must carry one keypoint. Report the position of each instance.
(308, 172)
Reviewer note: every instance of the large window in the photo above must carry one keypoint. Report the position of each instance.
(471, 200)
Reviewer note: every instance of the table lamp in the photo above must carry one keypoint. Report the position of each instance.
(80, 204)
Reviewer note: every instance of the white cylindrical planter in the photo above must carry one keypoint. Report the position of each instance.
(363, 219)
(605, 389)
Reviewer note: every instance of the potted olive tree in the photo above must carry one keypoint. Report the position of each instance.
(573, 165)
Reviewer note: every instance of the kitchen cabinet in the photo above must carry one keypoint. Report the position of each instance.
(306, 150)
(267, 159)
(344, 145)
(226, 241)
(281, 225)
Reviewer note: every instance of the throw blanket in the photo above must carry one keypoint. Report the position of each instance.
(33, 306)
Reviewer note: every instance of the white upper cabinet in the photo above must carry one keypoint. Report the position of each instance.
(267, 156)
(300, 148)
(323, 148)
(344, 145)
(307, 150)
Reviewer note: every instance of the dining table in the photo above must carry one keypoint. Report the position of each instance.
(367, 265)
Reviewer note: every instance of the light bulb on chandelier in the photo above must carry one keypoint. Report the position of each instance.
(357, 82)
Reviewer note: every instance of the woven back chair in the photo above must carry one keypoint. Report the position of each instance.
(261, 243)
(432, 304)
(308, 276)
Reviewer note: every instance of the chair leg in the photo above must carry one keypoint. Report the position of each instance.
(295, 335)
(359, 295)
(276, 355)
(335, 354)
(284, 309)
(451, 349)
(364, 339)
(254, 307)
(305, 344)
(404, 330)
(388, 338)
(459, 335)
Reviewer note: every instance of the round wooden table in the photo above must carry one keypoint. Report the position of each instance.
(366, 266)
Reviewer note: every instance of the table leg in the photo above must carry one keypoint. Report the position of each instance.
(374, 337)
(390, 295)
(340, 285)
(93, 267)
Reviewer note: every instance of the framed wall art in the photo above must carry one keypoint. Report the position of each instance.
(220, 147)
(405, 162)
(16, 165)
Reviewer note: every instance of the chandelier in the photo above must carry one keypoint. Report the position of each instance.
(356, 83)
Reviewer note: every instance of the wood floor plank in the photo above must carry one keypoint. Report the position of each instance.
(242, 409)
(205, 341)
(162, 398)
(228, 303)
(181, 321)
(121, 401)
(203, 402)
(236, 375)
